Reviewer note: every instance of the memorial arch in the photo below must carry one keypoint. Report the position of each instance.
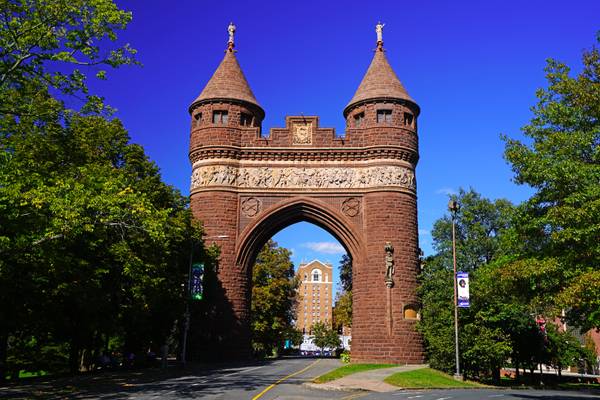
(360, 187)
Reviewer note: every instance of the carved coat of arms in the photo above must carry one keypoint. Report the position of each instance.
(302, 133)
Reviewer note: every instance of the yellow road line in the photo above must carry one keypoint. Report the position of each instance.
(283, 379)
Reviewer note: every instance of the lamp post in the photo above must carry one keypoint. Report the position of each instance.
(453, 206)
(186, 326)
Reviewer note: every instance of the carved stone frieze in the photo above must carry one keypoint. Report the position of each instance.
(303, 178)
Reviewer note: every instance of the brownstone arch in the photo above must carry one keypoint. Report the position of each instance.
(297, 209)
(360, 187)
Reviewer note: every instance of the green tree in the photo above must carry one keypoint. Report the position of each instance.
(562, 348)
(324, 336)
(480, 228)
(94, 246)
(97, 233)
(295, 336)
(46, 44)
(346, 272)
(342, 311)
(274, 287)
(559, 225)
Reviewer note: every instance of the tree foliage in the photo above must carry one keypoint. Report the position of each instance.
(342, 311)
(49, 44)
(559, 225)
(324, 336)
(274, 287)
(501, 321)
(346, 272)
(480, 228)
(94, 247)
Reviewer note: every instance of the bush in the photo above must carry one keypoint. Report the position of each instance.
(345, 357)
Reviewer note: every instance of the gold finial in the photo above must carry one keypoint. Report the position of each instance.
(231, 30)
(379, 31)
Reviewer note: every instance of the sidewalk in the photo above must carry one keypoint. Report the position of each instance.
(367, 380)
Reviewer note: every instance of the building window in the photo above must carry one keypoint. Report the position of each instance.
(245, 119)
(384, 116)
(316, 275)
(408, 119)
(411, 312)
(198, 118)
(220, 117)
(359, 119)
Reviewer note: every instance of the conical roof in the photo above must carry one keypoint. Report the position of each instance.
(380, 82)
(228, 83)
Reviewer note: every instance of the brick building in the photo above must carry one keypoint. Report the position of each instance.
(359, 185)
(315, 295)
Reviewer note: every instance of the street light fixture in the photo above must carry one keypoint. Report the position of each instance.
(453, 206)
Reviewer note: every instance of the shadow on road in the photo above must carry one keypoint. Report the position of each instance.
(174, 381)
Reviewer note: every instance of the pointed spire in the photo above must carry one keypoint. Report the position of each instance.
(380, 81)
(228, 81)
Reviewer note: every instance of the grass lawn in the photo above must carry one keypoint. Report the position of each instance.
(579, 386)
(426, 378)
(349, 370)
(26, 374)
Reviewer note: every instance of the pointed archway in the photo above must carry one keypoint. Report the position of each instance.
(289, 212)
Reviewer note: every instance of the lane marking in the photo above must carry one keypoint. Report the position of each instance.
(415, 397)
(496, 395)
(258, 396)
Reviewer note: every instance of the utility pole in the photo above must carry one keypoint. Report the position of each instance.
(453, 206)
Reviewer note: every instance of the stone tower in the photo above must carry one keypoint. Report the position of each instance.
(223, 115)
(360, 187)
(383, 114)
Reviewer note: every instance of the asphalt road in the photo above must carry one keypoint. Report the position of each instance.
(275, 380)
(281, 379)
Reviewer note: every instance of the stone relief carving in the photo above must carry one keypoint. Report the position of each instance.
(297, 177)
(389, 264)
(351, 207)
(250, 206)
(302, 133)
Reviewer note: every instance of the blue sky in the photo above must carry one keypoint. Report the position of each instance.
(473, 67)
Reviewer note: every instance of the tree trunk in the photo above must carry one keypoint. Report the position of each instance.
(496, 375)
(517, 373)
(74, 357)
(3, 355)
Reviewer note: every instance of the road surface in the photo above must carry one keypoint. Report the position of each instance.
(280, 379)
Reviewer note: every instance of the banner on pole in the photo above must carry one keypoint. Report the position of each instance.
(462, 280)
(196, 289)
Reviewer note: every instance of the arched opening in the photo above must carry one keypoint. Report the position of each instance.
(283, 215)
(314, 235)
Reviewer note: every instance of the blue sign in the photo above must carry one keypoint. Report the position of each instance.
(462, 286)
(197, 275)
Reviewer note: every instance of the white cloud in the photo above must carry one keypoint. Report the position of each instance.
(446, 190)
(424, 232)
(325, 247)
